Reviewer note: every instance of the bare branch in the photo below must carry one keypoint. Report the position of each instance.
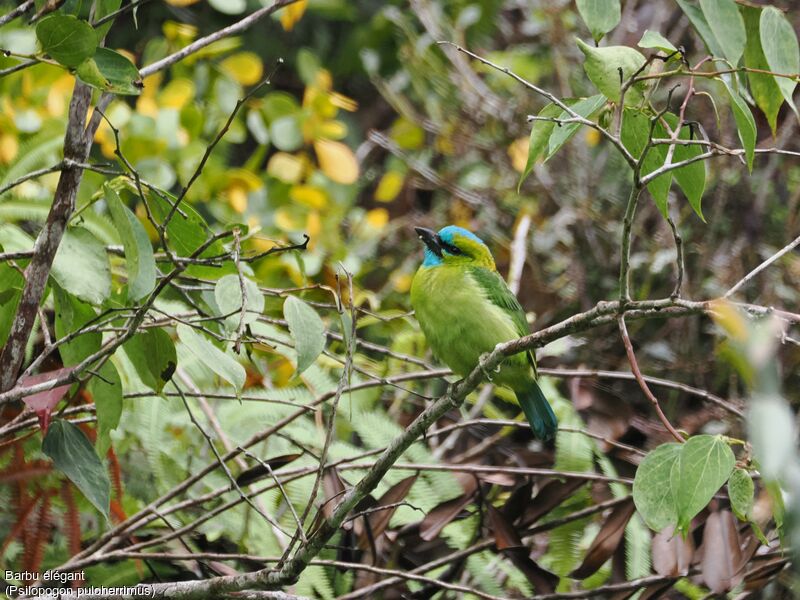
(16, 12)
(744, 280)
(642, 383)
(75, 148)
(238, 27)
(625, 252)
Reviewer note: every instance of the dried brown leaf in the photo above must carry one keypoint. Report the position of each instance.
(542, 580)
(607, 540)
(518, 501)
(259, 471)
(505, 536)
(672, 554)
(548, 497)
(379, 520)
(442, 515)
(722, 554)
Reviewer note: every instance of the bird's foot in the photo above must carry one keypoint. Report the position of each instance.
(482, 364)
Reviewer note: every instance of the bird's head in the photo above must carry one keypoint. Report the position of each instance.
(454, 246)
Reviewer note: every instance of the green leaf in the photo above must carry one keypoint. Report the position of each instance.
(692, 177)
(765, 91)
(74, 456)
(153, 355)
(652, 491)
(653, 39)
(71, 315)
(66, 39)
(138, 250)
(106, 391)
(745, 124)
(585, 108)
(604, 65)
(634, 136)
(705, 464)
(104, 8)
(307, 329)
(741, 492)
(727, 25)
(540, 134)
(600, 16)
(228, 294)
(81, 266)
(286, 133)
(779, 43)
(212, 357)
(112, 72)
(187, 232)
(701, 25)
(11, 284)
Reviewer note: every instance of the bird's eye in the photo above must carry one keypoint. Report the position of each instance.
(451, 249)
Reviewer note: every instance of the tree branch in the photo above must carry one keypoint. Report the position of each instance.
(785, 250)
(238, 27)
(76, 148)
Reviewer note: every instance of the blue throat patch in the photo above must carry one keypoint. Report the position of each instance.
(431, 260)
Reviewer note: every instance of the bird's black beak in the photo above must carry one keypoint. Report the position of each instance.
(431, 240)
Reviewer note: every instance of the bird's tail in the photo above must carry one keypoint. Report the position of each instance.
(538, 412)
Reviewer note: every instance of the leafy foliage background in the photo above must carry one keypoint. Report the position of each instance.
(367, 128)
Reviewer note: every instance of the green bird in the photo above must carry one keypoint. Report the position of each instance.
(465, 309)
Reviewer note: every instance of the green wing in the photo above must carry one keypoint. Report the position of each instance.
(498, 293)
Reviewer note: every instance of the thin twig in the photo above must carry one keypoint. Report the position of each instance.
(197, 45)
(555, 100)
(519, 253)
(679, 265)
(237, 249)
(275, 525)
(111, 16)
(744, 280)
(16, 12)
(625, 252)
(642, 383)
(277, 481)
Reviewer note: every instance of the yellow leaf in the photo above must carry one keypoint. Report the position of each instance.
(58, 94)
(237, 198)
(401, 282)
(246, 179)
(127, 54)
(292, 14)
(343, 102)
(285, 167)
(118, 113)
(9, 146)
(177, 93)
(333, 130)
(244, 67)
(337, 161)
(180, 32)
(592, 137)
(378, 217)
(285, 221)
(445, 145)
(309, 195)
(313, 228)
(407, 134)
(727, 316)
(182, 3)
(518, 153)
(389, 186)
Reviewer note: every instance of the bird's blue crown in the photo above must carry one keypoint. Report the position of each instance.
(450, 235)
